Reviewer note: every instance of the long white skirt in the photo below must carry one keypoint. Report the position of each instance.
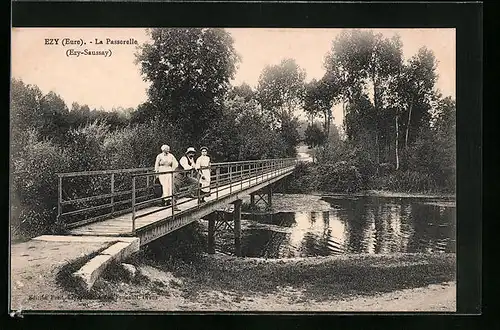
(166, 181)
(205, 183)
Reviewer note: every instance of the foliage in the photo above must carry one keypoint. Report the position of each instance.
(189, 70)
(31, 109)
(406, 181)
(391, 111)
(314, 136)
(433, 156)
(393, 115)
(281, 89)
(244, 90)
(366, 67)
(414, 95)
(290, 136)
(244, 133)
(319, 98)
(34, 184)
(305, 179)
(340, 177)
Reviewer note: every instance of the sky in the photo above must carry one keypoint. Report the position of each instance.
(115, 81)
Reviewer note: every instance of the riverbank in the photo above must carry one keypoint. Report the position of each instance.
(318, 278)
(388, 193)
(402, 282)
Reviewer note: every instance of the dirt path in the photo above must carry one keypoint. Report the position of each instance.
(34, 266)
(164, 292)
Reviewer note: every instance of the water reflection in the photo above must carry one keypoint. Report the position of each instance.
(362, 225)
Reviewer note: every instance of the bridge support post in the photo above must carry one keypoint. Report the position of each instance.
(237, 227)
(252, 201)
(269, 196)
(264, 195)
(211, 235)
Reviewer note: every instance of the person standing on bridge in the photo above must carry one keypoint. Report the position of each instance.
(203, 165)
(187, 179)
(165, 162)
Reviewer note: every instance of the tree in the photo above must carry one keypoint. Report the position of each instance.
(24, 102)
(417, 89)
(189, 70)
(244, 90)
(311, 102)
(314, 136)
(445, 118)
(30, 109)
(362, 60)
(411, 97)
(244, 133)
(281, 89)
(320, 97)
(290, 135)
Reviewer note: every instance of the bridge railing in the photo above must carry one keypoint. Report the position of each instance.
(85, 197)
(91, 196)
(229, 177)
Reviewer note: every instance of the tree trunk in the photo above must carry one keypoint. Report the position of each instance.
(329, 124)
(397, 142)
(375, 103)
(408, 125)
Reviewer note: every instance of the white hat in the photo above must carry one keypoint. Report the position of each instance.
(190, 149)
(163, 147)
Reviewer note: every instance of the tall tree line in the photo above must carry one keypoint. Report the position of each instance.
(387, 102)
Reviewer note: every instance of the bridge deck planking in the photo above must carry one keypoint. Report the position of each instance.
(122, 225)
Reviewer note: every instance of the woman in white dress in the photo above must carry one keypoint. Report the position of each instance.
(202, 164)
(165, 161)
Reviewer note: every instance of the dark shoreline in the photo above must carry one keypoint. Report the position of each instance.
(386, 193)
(321, 278)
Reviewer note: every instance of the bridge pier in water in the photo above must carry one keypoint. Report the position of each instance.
(237, 227)
(265, 195)
(211, 236)
(220, 219)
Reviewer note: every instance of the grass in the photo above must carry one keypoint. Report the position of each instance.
(65, 278)
(320, 278)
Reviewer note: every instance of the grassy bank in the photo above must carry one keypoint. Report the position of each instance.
(319, 278)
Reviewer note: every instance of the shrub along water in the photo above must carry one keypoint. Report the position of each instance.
(347, 168)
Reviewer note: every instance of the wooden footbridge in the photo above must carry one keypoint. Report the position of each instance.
(123, 203)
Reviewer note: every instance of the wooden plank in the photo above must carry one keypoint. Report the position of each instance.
(103, 230)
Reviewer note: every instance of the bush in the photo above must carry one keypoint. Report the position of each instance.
(434, 155)
(34, 184)
(135, 146)
(305, 179)
(340, 177)
(85, 146)
(407, 181)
